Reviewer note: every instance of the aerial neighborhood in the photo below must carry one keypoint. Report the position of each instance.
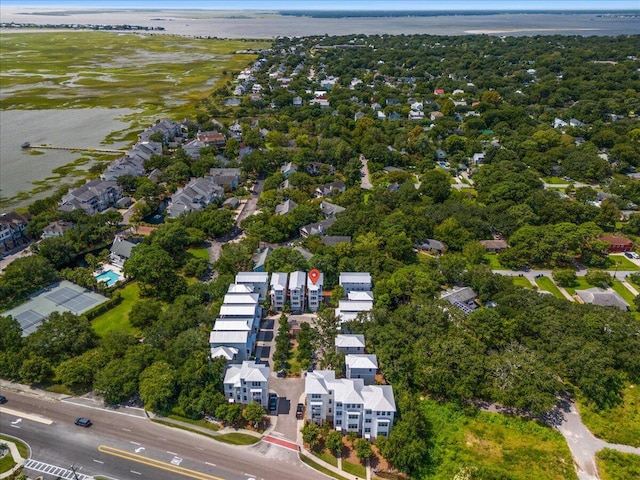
(408, 242)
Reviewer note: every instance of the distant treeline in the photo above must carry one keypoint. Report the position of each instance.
(437, 13)
(79, 26)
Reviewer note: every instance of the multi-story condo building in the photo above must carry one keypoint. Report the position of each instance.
(278, 291)
(258, 280)
(297, 282)
(314, 293)
(355, 281)
(246, 383)
(361, 366)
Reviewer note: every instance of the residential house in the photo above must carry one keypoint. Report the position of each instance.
(196, 195)
(318, 228)
(258, 280)
(278, 291)
(123, 166)
(143, 151)
(297, 101)
(288, 168)
(285, 207)
(230, 354)
(604, 298)
(297, 282)
(358, 115)
(247, 383)
(416, 115)
(559, 123)
(574, 122)
(333, 240)
(259, 258)
(314, 293)
(12, 229)
(438, 91)
(477, 159)
(433, 116)
(330, 210)
(355, 281)
(494, 246)
(349, 405)
(94, 196)
(350, 343)
(617, 244)
(56, 229)
(120, 251)
(462, 298)
(168, 128)
(361, 366)
(348, 310)
(330, 189)
(318, 168)
(231, 203)
(228, 178)
(431, 245)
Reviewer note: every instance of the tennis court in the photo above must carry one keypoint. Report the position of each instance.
(60, 297)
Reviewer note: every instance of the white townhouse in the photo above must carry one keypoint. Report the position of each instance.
(278, 291)
(222, 342)
(247, 383)
(297, 282)
(349, 405)
(348, 310)
(362, 366)
(258, 280)
(355, 281)
(237, 289)
(349, 343)
(314, 293)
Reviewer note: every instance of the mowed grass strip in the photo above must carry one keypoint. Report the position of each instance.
(614, 465)
(545, 283)
(624, 292)
(620, 424)
(118, 317)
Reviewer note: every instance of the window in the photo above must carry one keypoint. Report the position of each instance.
(339, 413)
(329, 410)
(338, 404)
(316, 396)
(338, 423)
(367, 420)
(367, 430)
(368, 412)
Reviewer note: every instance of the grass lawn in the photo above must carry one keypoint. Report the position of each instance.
(494, 261)
(354, 469)
(118, 318)
(623, 291)
(522, 282)
(614, 465)
(199, 423)
(320, 468)
(502, 446)
(22, 448)
(237, 438)
(199, 253)
(545, 283)
(7, 463)
(581, 284)
(555, 181)
(620, 424)
(327, 457)
(622, 263)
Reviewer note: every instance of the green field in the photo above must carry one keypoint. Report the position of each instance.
(581, 284)
(545, 283)
(555, 181)
(118, 318)
(622, 263)
(620, 424)
(613, 465)
(494, 261)
(160, 74)
(522, 282)
(624, 292)
(199, 253)
(498, 445)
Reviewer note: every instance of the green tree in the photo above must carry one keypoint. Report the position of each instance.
(145, 312)
(155, 270)
(565, 277)
(326, 326)
(285, 260)
(363, 450)
(24, 276)
(157, 384)
(35, 369)
(333, 442)
(81, 370)
(599, 278)
(253, 413)
(311, 435)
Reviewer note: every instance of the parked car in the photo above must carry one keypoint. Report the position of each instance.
(633, 255)
(299, 411)
(273, 402)
(3, 399)
(83, 422)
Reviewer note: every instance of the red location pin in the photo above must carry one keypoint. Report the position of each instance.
(314, 275)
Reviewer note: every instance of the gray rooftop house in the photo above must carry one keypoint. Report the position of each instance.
(56, 229)
(120, 251)
(318, 228)
(92, 197)
(123, 166)
(229, 178)
(432, 245)
(196, 195)
(603, 298)
(330, 210)
(285, 207)
(462, 298)
(168, 128)
(330, 189)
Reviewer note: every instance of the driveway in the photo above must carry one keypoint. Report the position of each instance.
(365, 182)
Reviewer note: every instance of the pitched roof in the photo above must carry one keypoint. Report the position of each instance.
(603, 298)
(349, 341)
(361, 360)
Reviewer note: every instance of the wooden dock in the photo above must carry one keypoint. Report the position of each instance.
(79, 149)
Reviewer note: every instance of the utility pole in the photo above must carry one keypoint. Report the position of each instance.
(75, 475)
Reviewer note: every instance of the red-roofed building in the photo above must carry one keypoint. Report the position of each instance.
(617, 244)
(438, 91)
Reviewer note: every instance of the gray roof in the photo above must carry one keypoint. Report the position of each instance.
(603, 298)
(285, 207)
(431, 244)
(329, 209)
(318, 228)
(349, 340)
(332, 240)
(462, 295)
(122, 247)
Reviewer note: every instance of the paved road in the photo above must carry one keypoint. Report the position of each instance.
(131, 447)
(365, 182)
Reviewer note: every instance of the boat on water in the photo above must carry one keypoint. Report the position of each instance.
(26, 145)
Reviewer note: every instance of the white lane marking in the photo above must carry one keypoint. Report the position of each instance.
(98, 461)
(160, 438)
(26, 416)
(135, 443)
(176, 461)
(126, 430)
(139, 449)
(15, 422)
(172, 453)
(212, 464)
(15, 426)
(133, 471)
(199, 448)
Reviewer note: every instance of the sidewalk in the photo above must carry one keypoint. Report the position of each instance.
(16, 458)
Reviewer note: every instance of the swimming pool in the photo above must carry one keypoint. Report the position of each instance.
(109, 277)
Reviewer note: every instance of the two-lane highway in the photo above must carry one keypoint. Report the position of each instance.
(128, 447)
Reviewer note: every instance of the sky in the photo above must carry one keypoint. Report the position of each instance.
(438, 5)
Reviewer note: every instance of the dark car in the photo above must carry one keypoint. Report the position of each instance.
(273, 402)
(83, 422)
(299, 411)
(3, 399)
